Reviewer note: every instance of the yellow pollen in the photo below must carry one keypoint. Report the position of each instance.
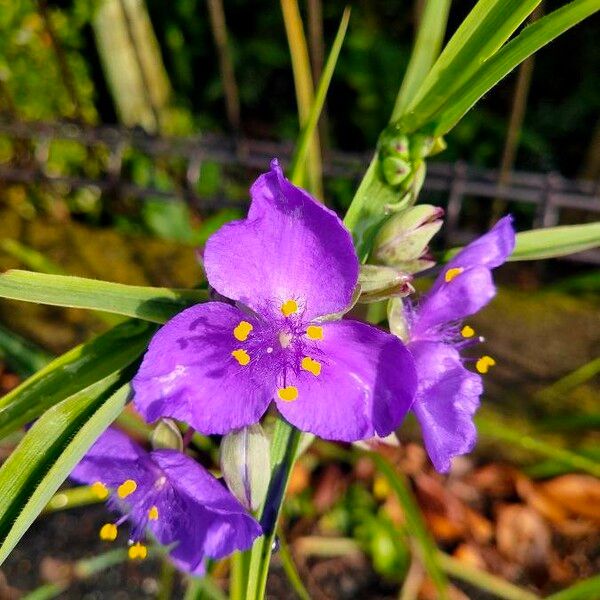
(242, 331)
(108, 532)
(241, 356)
(289, 307)
(484, 363)
(288, 394)
(99, 490)
(137, 551)
(467, 331)
(314, 332)
(153, 513)
(452, 273)
(126, 488)
(312, 366)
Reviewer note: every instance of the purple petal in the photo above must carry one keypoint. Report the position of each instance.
(201, 516)
(490, 250)
(112, 459)
(189, 373)
(464, 295)
(447, 398)
(365, 387)
(289, 247)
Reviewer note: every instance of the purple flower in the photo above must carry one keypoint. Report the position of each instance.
(168, 494)
(448, 393)
(218, 366)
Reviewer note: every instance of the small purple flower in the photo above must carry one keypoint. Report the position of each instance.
(169, 495)
(288, 265)
(448, 394)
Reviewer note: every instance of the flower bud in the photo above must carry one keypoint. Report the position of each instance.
(397, 319)
(166, 436)
(395, 170)
(420, 146)
(403, 240)
(246, 465)
(380, 283)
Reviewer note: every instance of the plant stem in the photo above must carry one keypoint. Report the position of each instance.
(287, 561)
(483, 580)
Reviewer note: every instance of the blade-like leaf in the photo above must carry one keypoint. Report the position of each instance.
(49, 452)
(148, 303)
(430, 36)
(74, 371)
(556, 241)
(530, 40)
(302, 147)
(481, 34)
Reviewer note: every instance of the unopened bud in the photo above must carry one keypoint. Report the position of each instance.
(403, 240)
(166, 436)
(420, 146)
(395, 169)
(397, 319)
(246, 465)
(380, 283)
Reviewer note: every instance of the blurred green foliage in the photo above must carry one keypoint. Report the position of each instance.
(563, 104)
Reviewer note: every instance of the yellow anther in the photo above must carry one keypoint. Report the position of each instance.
(314, 332)
(153, 513)
(241, 356)
(137, 551)
(108, 532)
(288, 394)
(99, 490)
(242, 331)
(311, 365)
(289, 307)
(484, 363)
(126, 488)
(452, 273)
(467, 331)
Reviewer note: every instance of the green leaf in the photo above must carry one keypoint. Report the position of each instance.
(430, 36)
(556, 241)
(414, 522)
(588, 589)
(148, 303)
(306, 135)
(74, 371)
(49, 452)
(21, 355)
(481, 34)
(530, 40)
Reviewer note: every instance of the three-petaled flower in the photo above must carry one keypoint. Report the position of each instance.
(168, 494)
(287, 267)
(448, 393)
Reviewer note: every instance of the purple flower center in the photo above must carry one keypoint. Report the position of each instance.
(285, 342)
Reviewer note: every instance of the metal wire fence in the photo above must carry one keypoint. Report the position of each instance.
(546, 199)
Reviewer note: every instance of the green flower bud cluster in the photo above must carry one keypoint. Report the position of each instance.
(402, 158)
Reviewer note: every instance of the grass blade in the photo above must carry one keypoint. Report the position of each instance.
(72, 372)
(530, 40)
(49, 452)
(430, 36)
(556, 241)
(414, 523)
(303, 84)
(306, 135)
(148, 303)
(485, 29)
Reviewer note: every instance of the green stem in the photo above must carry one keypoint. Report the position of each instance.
(287, 561)
(166, 581)
(284, 449)
(498, 431)
(483, 580)
(588, 589)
